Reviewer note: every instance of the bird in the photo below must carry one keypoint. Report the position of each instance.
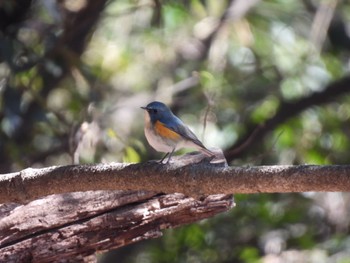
(167, 133)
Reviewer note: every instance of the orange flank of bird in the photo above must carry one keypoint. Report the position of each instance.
(165, 132)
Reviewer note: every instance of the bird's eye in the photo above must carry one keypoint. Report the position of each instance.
(155, 110)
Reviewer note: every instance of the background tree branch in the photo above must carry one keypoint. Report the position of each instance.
(63, 43)
(286, 110)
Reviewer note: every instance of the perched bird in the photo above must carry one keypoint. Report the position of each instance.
(167, 133)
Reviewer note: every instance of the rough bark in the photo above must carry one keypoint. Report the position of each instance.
(185, 175)
(73, 226)
(70, 227)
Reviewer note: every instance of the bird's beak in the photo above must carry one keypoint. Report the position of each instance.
(144, 108)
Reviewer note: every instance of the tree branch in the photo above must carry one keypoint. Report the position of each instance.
(69, 227)
(183, 176)
(287, 110)
(75, 225)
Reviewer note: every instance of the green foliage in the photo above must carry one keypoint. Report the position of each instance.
(131, 156)
(250, 255)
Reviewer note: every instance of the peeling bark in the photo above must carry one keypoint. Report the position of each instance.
(69, 227)
(72, 225)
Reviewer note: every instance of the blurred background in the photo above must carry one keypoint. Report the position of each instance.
(266, 81)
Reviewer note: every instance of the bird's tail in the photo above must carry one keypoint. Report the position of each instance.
(207, 152)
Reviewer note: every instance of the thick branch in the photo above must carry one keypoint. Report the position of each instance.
(69, 227)
(192, 179)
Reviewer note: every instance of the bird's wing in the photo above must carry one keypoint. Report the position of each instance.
(179, 127)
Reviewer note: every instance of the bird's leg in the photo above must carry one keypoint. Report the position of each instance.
(161, 161)
(170, 155)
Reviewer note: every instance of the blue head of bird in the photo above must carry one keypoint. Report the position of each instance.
(157, 111)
